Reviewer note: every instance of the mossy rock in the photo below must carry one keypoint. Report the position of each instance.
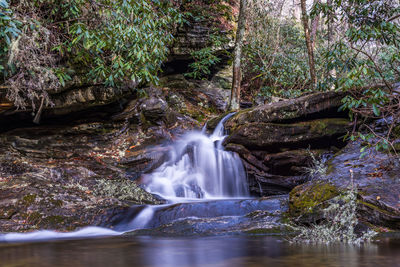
(310, 198)
(267, 135)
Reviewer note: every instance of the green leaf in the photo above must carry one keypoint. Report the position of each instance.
(376, 110)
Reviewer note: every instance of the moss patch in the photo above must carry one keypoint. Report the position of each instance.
(29, 199)
(304, 198)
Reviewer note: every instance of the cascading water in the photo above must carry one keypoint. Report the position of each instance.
(199, 167)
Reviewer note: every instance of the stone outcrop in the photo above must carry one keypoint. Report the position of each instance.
(83, 169)
(63, 177)
(374, 176)
(276, 141)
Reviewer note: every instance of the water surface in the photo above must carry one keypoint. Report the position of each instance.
(202, 251)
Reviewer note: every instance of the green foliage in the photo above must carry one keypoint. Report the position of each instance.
(8, 31)
(206, 58)
(366, 62)
(209, 14)
(129, 41)
(103, 41)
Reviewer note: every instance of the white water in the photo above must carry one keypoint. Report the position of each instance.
(86, 232)
(198, 168)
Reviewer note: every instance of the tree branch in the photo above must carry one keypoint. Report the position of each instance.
(393, 18)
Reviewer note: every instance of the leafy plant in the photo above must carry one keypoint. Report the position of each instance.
(206, 58)
(9, 30)
(101, 42)
(366, 64)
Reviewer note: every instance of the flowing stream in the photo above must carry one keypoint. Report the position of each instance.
(198, 169)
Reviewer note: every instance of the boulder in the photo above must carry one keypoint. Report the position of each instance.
(375, 177)
(63, 177)
(323, 104)
(218, 217)
(275, 136)
(154, 109)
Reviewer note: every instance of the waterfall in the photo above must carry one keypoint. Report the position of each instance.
(199, 167)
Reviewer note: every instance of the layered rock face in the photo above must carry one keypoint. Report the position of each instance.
(276, 141)
(84, 169)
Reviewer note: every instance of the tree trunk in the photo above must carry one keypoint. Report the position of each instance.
(314, 27)
(310, 49)
(234, 103)
(331, 73)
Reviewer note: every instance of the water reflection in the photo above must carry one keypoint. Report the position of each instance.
(205, 251)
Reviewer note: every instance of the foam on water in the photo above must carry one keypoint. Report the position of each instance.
(199, 167)
(85, 232)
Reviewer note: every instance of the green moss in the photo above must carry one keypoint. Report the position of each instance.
(304, 198)
(285, 115)
(318, 126)
(328, 126)
(29, 199)
(374, 207)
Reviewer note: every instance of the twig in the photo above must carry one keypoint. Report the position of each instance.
(376, 67)
(394, 17)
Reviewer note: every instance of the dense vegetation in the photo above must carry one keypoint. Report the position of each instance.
(47, 45)
(50, 42)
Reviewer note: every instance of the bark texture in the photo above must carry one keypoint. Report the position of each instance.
(309, 44)
(234, 103)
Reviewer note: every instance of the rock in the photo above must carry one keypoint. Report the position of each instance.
(214, 217)
(193, 97)
(259, 135)
(195, 35)
(79, 172)
(223, 79)
(62, 177)
(308, 200)
(375, 177)
(154, 109)
(305, 107)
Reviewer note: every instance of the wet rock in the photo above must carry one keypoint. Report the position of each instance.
(198, 99)
(375, 177)
(307, 201)
(154, 109)
(72, 175)
(214, 217)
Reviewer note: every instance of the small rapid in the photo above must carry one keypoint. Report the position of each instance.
(198, 169)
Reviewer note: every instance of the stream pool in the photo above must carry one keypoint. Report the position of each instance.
(200, 251)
